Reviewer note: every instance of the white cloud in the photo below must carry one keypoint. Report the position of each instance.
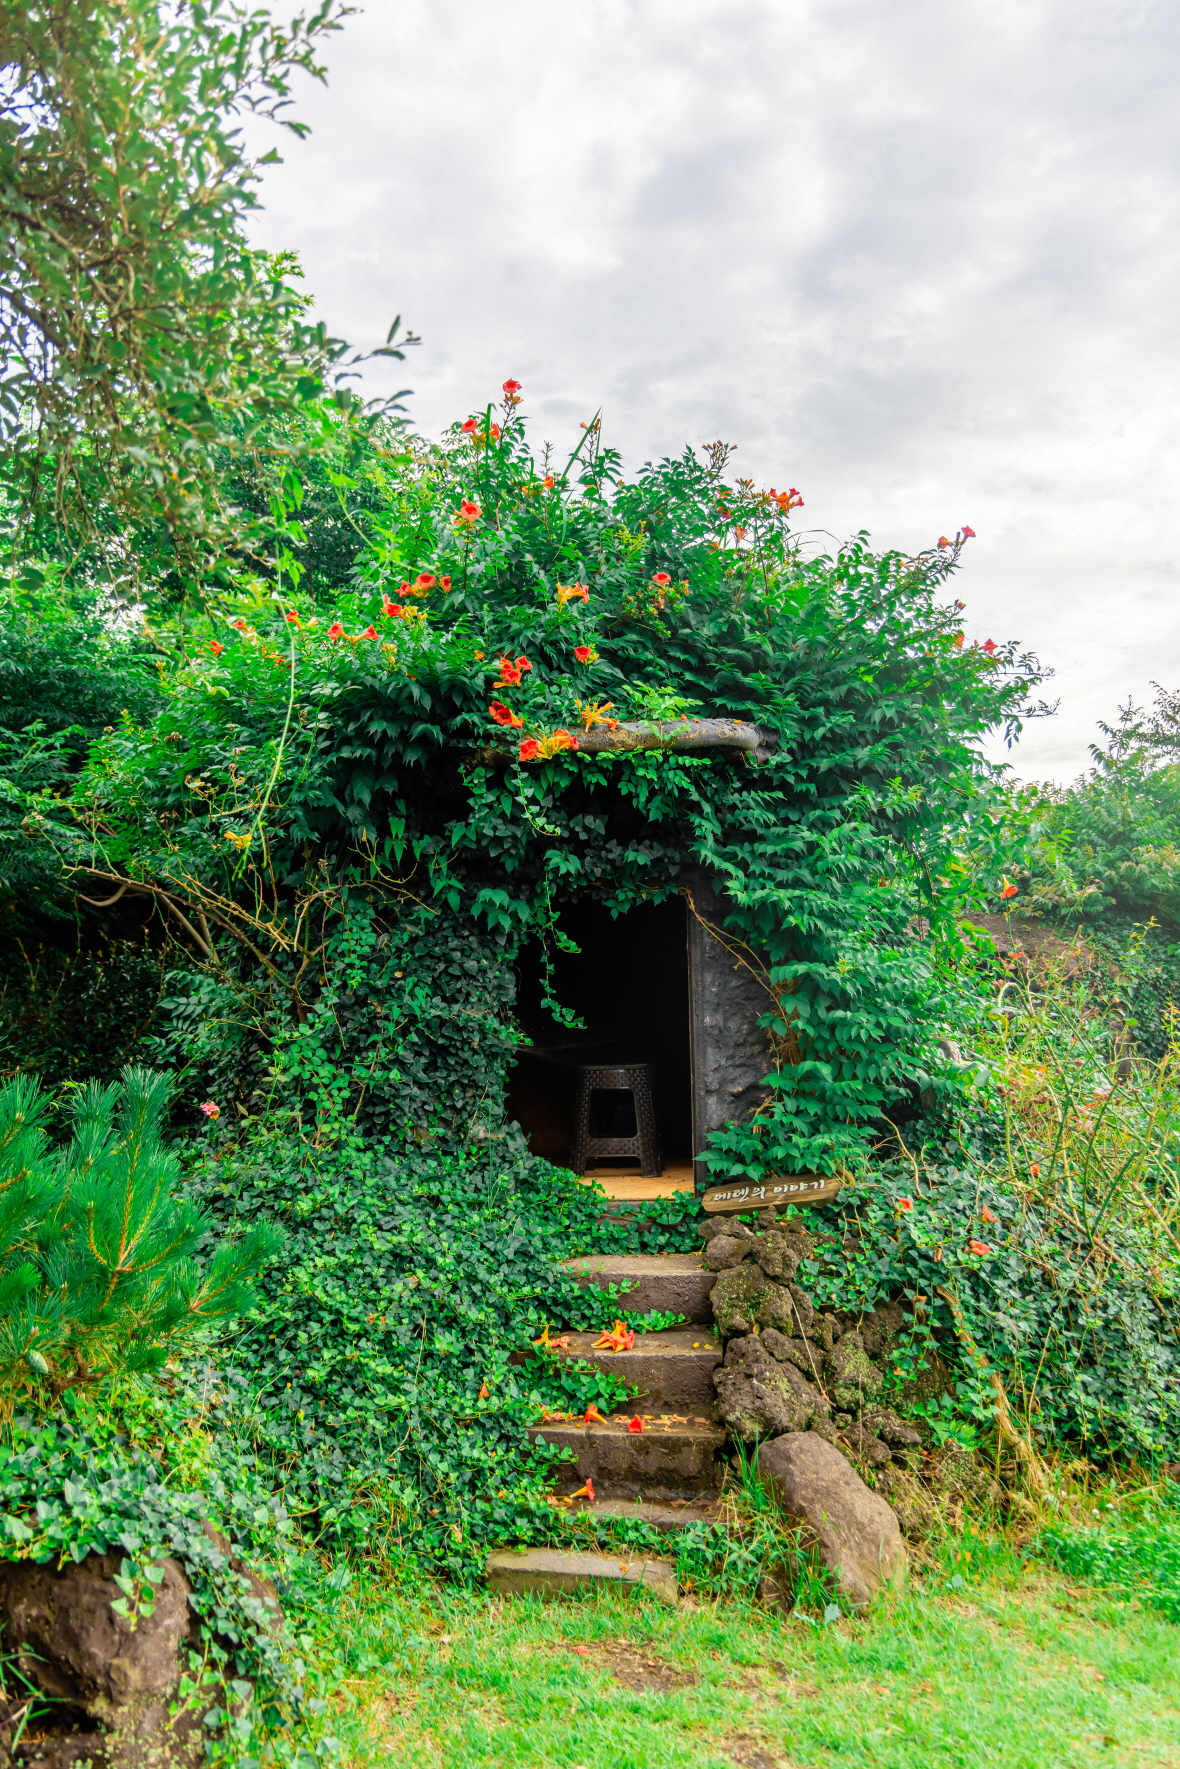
(918, 259)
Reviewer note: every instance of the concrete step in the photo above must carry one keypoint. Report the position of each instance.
(669, 1459)
(560, 1572)
(674, 1282)
(672, 1371)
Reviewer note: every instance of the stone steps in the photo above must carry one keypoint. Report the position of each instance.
(666, 1460)
(676, 1283)
(672, 1371)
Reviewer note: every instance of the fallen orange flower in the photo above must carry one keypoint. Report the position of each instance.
(592, 1416)
(620, 1338)
(636, 1424)
(585, 1492)
(484, 1392)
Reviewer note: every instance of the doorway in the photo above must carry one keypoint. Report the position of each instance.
(628, 984)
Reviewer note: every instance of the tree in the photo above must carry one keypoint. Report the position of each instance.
(102, 1268)
(140, 333)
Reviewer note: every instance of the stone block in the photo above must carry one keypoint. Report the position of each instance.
(554, 1572)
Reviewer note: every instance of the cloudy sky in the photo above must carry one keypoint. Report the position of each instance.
(919, 259)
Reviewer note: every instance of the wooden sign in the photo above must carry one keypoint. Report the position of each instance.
(792, 1188)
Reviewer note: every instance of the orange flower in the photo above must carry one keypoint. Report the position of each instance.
(1009, 889)
(620, 1338)
(989, 646)
(572, 593)
(292, 617)
(905, 1204)
(595, 714)
(504, 715)
(549, 482)
(335, 631)
(585, 1492)
(495, 432)
(585, 654)
(661, 578)
(636, 1424)
(986, 1215)
(216, 648)
(512, 388)
(394, 610)
(424, 580)
(980, 1247)
(444, 583)
(942, 541)
(510, 672)
(484, 1391)
(241, 626)
(530, 750)
(968, 534)
(787, 500)
(468, 512)
(468, 428)
(369, 633)
(592, 1416)
(557, 741)
(1035, 1170)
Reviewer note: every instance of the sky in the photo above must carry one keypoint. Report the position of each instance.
(919, 259)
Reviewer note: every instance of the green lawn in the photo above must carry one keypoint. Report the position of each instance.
(1019, 1668)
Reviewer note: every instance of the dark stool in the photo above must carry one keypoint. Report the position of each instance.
(643, 1145)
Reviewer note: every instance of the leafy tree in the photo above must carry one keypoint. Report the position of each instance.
(103, 1269)
(140, 333)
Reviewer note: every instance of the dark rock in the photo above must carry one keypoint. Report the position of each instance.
(738, 1297)
(804, 1312)
(826, 1330)
(865, 1447)
(778, 1255)
(725, 1251)
(854, 1529)
(801, 1352)
(712, 1225)
(880, 1330)
(759, 1397)
(69, 1643)
(852, 1380)
(883, 1423)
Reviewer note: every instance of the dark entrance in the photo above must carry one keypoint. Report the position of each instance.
(629, 985)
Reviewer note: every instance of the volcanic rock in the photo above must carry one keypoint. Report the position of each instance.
(855, 1531)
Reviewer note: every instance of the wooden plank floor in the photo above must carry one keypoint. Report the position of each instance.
(618, 1183)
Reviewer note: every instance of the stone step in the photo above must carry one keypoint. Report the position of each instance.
(561, 1572)
(674, 1514)
(672, 1371)
(669, 1459)
(677, 1283)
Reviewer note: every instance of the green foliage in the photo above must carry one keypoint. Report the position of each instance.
(76, 1486)
(1136, 1558)
(388, 1402)
(313, 795)
(99, 1266)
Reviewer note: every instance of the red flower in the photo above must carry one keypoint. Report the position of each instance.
(636, 1424)
(530, 750)
(444, 583)
(468, 512)
(210, 1109)
(504, 715)
(942, 541)
(661, 578)
(241, 625)
(216, 648)
(1035, 1170)
(989, 646)
(979, 1247)
(905, 1204)
(1009, 890)
(958, 640)
(587, 1491)
(787, 500)
(585, 654)
(968, 534)
(549, 482)
(394, 610)
(335, 631)
(986, 1215)
(511, 387)
(495, 432)
(469, 427)
(424, 580)
(510, 673)
(292, 617)
(369, 633)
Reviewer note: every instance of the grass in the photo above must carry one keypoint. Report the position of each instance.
(987, 1661)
